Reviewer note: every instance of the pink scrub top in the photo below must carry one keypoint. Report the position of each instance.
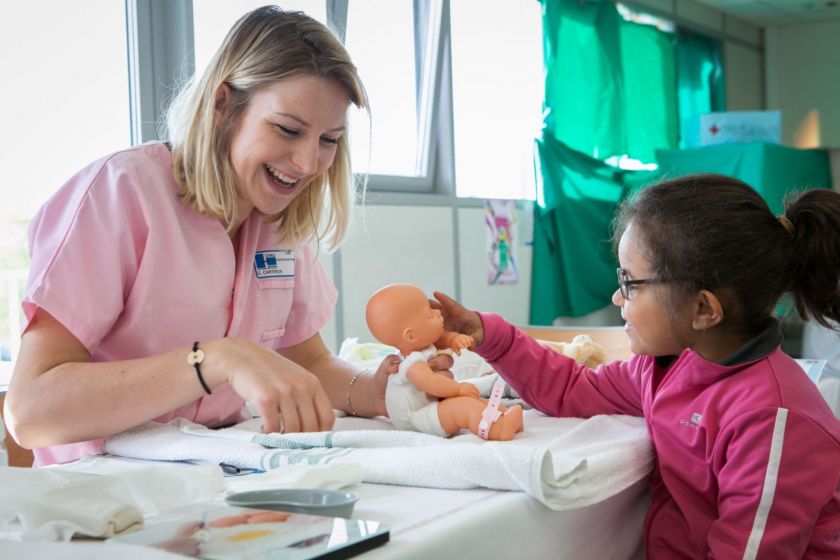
(132, 271)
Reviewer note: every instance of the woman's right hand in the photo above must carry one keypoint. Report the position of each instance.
(288, 397)
(459, 319)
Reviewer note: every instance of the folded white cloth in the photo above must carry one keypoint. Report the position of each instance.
(563, 462)
(50, 505)
(155, 488)
(56, 504)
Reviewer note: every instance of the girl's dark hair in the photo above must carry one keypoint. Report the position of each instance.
(716, 233)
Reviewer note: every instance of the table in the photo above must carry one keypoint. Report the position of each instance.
(430, 523)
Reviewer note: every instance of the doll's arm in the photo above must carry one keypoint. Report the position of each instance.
(455, 341)
(422, 377)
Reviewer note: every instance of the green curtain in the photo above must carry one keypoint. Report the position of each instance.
(583, 89)
(650, 85)
(612, 88)
(610, 84)
(700, 84)
(771, 169)
(573, 269)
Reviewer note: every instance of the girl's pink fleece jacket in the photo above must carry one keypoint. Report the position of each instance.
(748, 453)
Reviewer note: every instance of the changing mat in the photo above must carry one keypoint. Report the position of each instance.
(564, 463)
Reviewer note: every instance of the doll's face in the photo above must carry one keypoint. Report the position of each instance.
(425, 325)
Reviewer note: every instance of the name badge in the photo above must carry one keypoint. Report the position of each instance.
(274, 264)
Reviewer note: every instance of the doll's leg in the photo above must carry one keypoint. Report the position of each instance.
(504, 410)
(507, 425)
(458, 413)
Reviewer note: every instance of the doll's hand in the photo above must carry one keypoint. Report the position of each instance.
(467, 390)
(460, 342)
(459, 319)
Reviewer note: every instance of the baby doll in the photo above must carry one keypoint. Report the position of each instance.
(400, 315)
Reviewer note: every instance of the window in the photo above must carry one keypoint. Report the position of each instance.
(396, 45)
(70, 102)
(65, 104)
(497, 91)
(380, 38)
(212, 20)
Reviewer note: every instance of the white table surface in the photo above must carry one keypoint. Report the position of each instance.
(431, 523)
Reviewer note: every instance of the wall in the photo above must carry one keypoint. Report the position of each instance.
(437, 247)
(744, 71)
(803, 79)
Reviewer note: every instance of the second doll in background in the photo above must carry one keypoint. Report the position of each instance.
(748, 451)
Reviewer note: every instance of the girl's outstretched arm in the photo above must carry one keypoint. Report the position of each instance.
(555, 384)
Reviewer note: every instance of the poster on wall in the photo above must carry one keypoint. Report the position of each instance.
(499, 221)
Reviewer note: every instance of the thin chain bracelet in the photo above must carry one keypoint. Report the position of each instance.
(350, 408)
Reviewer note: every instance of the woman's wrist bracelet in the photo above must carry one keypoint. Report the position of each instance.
(196, 358)
(350, 409)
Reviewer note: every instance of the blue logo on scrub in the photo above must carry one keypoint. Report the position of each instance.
(274, 264)
(265, 261)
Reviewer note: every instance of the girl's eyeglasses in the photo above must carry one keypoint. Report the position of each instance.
(624, 282)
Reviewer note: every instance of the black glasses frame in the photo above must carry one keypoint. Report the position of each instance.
(624, 282)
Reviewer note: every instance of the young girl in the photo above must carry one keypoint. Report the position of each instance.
(748, 452)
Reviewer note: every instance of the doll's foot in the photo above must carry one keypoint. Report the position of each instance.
(507, 425)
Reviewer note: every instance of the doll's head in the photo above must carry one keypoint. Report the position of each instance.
(400, 315)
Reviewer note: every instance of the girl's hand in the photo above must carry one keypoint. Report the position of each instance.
(457, 318)
(288, 397)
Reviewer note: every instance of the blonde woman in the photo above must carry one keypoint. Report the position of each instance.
(177, 280)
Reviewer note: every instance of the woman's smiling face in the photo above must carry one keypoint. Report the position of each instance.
(286, 137)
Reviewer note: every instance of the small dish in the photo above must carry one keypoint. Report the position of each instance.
(313, 501)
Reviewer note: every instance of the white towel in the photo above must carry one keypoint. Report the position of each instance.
(55, 504)
(50, 505)
(166, 442)
(565, 463)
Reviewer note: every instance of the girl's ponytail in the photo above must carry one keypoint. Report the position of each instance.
(815, 273)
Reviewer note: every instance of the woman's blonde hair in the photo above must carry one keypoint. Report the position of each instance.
(265, 45)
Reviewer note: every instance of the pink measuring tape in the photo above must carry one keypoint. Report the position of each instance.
(492, 412)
